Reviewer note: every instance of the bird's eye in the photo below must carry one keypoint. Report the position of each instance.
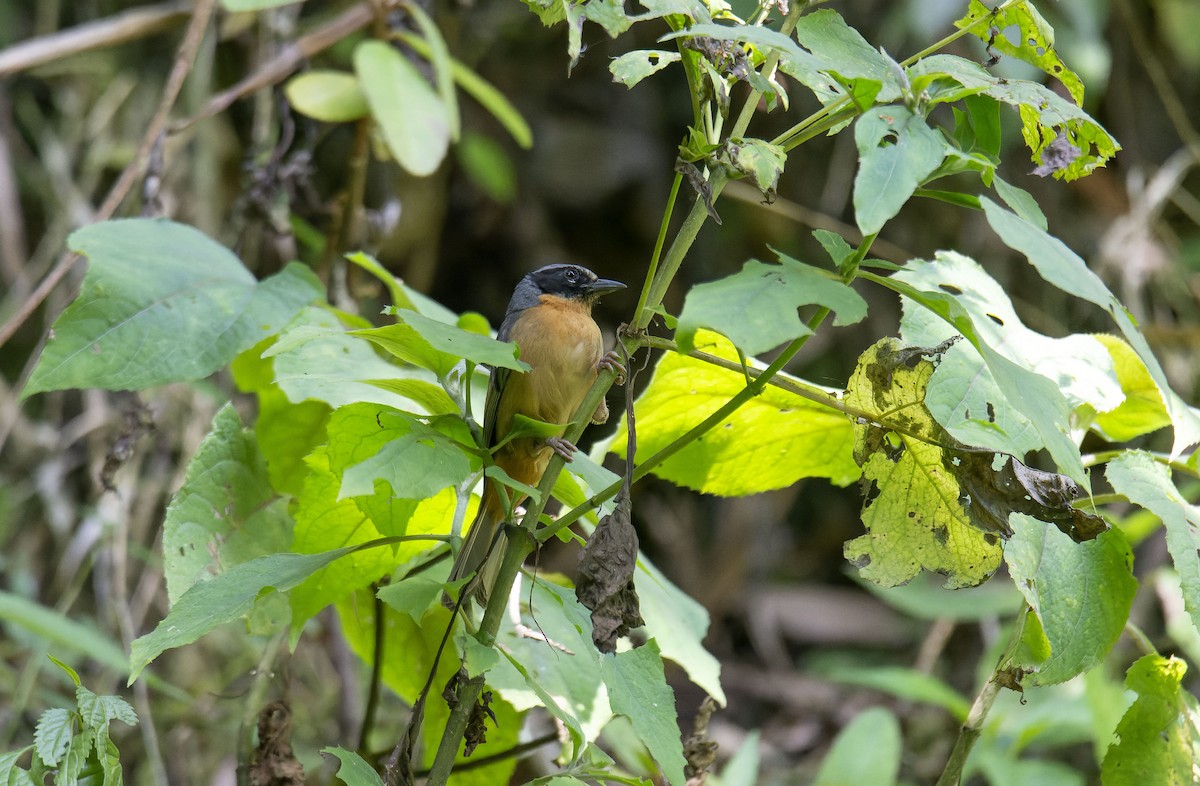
(572, 275)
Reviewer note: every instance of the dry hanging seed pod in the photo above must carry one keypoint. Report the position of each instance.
(605, 581)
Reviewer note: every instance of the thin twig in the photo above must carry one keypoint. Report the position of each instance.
(288, 60)
(110, 31)
(376, 677)
(179, 71)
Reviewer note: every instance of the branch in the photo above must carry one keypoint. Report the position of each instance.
(110, 31)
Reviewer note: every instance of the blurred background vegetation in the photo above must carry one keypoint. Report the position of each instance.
(592, 188)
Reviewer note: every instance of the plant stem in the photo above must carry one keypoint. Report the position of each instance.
(659, 242)
(456, 727)
(376, 677)
(969, 733)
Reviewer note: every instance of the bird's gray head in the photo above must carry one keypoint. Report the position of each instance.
(573, 282)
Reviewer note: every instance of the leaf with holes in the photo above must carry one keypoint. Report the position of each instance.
(897, 150)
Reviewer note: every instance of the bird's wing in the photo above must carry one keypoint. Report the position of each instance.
(496, 383)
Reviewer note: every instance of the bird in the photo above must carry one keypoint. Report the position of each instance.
(550, 319)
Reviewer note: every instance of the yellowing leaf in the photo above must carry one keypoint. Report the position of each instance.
(1143, 410)
(769, 443)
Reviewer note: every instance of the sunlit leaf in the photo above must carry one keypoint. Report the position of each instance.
(1158, 740)
(328, 96)
(412, 117)
(897, 150)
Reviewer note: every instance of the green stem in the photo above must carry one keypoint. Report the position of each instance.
(659, 242)
(456, 727)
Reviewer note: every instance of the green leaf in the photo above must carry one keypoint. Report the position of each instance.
(439, 347)
(845, 52)
(223, 599)
(415, 460)
(1032, 395)
(1147, 483)
(1021, 202)
(413, 595)
(742, 767)
(10, 773)
(914, 515)
(609, 14)
(226, 512)
(1159, 737)
(1036, 39)
(488, 166)
(637, 689)
(285, 432)
(1143, 410)
(896, 152)
(632, 67)
(1081, 593)
(905, 684)
(1079, 365)
(316, 359)
(52, 737)
(61, 631)
(534, 673)
(678, 624)
(161, 302)
(353, 770)
(328, 96)
(324, 521)
(488, 96)
(977, 127)
(438, 56)
(403, 296)
(773, 440)
(756, 308)
(866, 751)
(1062, 267)
(415, 123)
(95, 712)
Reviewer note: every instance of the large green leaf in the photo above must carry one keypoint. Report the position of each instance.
(638, 689)
(1080, 592)
(415, 123)
(437, 346)
(415, 460)
(286, 431)
(1063, 268)
(533, 673)
(773, 440)
(226, 512)
(223, 599)
(845, 52)
(756, 308)
(962, 394)
(161, 302)
(679, 624)
(1034, 396)
(316, 359)
(353, 770)
(1148, 483)
(965, 392)
(866, 751)
(1158, 740)
(897, 150)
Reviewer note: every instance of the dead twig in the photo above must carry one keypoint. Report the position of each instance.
(112, 30)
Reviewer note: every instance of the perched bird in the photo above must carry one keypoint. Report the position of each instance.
(550, 319)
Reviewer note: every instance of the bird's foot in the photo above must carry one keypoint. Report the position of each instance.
(562, 447)
(612, 362)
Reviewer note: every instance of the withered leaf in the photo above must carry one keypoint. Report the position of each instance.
(605, 582)
(273, 763)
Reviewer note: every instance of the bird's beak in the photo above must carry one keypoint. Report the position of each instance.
(602, 286)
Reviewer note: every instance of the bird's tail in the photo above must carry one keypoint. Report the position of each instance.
(483, 551)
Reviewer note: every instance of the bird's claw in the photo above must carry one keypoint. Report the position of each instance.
(562, 447)
(612, 362)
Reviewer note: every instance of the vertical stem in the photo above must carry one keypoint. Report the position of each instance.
(456, 727)
(969, 733)
(376, 677)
